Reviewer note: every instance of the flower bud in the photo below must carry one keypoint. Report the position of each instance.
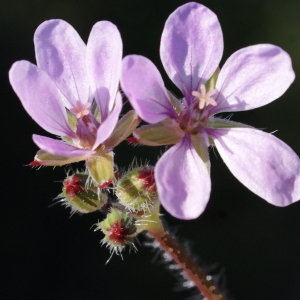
(136, 190)
(80, 196)
(119, 229)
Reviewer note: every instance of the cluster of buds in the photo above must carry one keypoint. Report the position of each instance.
(135, 196)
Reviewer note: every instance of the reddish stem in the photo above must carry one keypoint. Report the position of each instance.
(189, 266)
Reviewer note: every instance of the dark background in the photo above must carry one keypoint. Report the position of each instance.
(253, 246)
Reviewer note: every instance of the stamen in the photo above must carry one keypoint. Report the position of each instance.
(81, 110)
(205, 98)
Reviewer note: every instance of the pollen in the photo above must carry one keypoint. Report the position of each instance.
(205, 98)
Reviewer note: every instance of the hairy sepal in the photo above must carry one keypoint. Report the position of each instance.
(224, 123)
(100, 166)
(162, 133)
(125, 126)
(201, 149)
(43, 158)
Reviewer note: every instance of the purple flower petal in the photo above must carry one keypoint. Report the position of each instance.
(144, 87)
(109, 124)
(252, 77)
(104, 58)
(183, 182)
(40, 97)
(61, 53)
(191, 47)
(263, 163)
(59, 148)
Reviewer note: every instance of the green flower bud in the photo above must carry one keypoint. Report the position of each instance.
(80, 196)
(136, 190)
(119, 229)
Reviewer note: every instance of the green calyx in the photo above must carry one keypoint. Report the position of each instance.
(100, 166)
(136, 190)
(80, 196)
(211, 83)
(225, 123)
(125, 126)
(166, 132)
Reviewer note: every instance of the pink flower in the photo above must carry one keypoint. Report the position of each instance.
(191, 50)
(58, 92)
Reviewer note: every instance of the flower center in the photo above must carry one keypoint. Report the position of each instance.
(81, 110)
(87, 125)
(191, 119)
(205, 98)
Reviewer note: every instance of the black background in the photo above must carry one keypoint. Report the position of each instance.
(46, 254)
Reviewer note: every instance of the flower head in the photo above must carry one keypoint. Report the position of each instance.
(59, 92)
(191, 50)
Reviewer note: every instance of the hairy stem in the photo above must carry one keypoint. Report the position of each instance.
(193, 272)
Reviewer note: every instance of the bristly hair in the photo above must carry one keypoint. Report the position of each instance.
(214, 273)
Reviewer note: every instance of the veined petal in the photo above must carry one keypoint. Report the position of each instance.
(59, 148)
(191, 46)
(104, 58)
(263, 163)
(182, 180)
(61, 53)
(106, 128)
(40, 97)
(252, 77)
(144, 87)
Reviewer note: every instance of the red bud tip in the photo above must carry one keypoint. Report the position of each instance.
(147, 175)
(35, 163)
(72, 186)
(118, 232)
(105, 185)
(132, 140)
